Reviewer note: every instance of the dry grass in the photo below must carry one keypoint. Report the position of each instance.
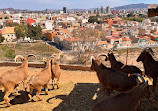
(79, 91)
(7, 52)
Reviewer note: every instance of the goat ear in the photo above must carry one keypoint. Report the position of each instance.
(92, 58)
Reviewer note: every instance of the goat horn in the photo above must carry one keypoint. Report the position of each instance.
(100, 55)
(150, 50)
(136, 74)
(18, 56)
(32, 55)
(91, 59)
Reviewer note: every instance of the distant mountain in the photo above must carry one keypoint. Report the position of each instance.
(132, 6)
(12, 9)
(125, 7)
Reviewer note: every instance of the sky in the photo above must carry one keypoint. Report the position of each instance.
(70, 4)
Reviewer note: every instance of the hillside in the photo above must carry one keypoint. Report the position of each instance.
(132, 6)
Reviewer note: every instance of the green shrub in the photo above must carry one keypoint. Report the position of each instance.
(10, 53)
(4, 48)
(121, 51)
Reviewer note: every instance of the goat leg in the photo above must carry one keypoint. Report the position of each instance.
(139, 105)
(29, 95)
(53, 83)
(17, 88)
(57, 83)
(7, 100)
(38, 92)
(25, 85)
(154, 84)
(46, 88)
(106, 91)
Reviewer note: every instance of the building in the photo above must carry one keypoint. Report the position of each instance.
(124, 41)
(48, 25)
(64, 10)
(108, 10)
(50, 35)
(9, 34)
(113, 12)
(152, 10)
(102, 9)
(110, 22)
(103, 44)
(97, 10)
(72, 43)
(61, 12)
(31, 22)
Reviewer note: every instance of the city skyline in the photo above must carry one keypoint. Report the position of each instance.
(58, 4)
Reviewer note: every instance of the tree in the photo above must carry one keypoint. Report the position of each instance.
(90, 38)
(6, 17)
(130, 15)
(21, 31)
(1, 38)
(12, 24)
(35, 32)
(21, 17)
(143, 16)
(93, 19)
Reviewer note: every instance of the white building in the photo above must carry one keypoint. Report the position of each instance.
(48, 25)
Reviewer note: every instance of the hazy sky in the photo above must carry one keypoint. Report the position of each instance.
(58, 4)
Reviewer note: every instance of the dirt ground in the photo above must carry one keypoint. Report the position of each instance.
(79, 91)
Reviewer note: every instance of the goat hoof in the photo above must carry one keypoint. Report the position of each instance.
(31, 100)
(40, 99)
(8, 105)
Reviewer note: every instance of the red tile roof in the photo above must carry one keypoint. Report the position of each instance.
(111, 37)
(126, 39)
(73, 39)
(102, 42)
(30, 21)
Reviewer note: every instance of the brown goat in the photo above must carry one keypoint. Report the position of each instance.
(56, 72)
(113, 80)
(127, 101)
(150, 65)
(11, 79)
(119, 66)
(40, 80)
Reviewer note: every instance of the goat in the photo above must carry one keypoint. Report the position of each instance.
(112, 80)
(56, 72)
(12, 78)
(126, 101)
(40, 80)
(119, 66)
(150, 65)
